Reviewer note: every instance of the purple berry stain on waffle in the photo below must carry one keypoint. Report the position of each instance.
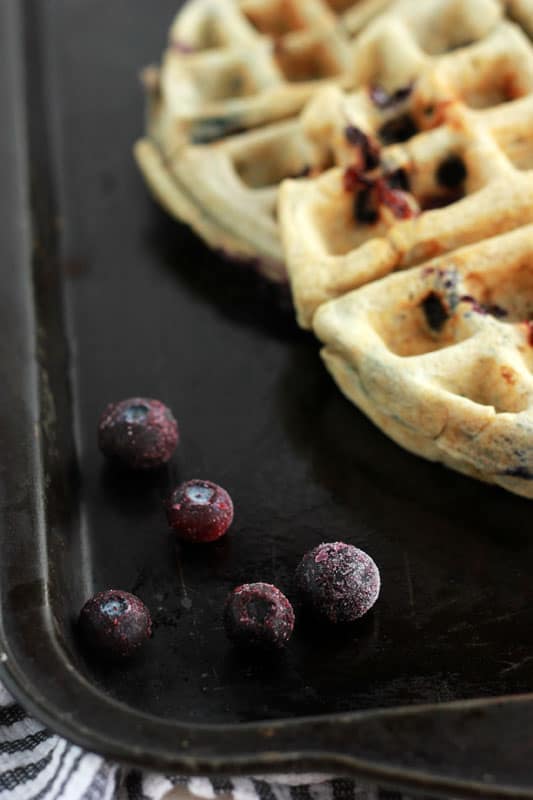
(115, 623)
(369, 149)
(338, 582)
(384, 99)
(140, 433)
(200, 511)
(258, 615)
(492, 309)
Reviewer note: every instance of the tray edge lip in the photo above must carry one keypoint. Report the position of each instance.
(396, 777)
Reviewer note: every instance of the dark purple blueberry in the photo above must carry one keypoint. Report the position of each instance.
(115, 623)
(338, 582)
(139, 432)
(258, 615)
(200, 511)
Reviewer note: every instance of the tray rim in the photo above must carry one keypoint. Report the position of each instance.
(20, 670)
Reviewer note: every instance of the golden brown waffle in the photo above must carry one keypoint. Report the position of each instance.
(440, 357)
(461, 169)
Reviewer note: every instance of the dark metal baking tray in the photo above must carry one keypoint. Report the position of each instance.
(104, 297)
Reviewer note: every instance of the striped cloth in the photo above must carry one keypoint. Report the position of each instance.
(35, 764)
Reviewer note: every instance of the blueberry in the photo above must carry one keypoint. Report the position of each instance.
(138, 432)
(115, 623)
(338, 582)
(200, 511)
(258, 615)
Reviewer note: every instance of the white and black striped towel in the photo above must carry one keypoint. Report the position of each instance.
(35, 764)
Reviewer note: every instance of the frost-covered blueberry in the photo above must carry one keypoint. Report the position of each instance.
(139, 432)
(115, 623)
(199, 511)
(338, 582)
(258, 615)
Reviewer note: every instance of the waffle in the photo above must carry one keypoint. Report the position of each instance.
(440, 357)
(227, 191)
(234, 64)
(243, 66)
(456, 172)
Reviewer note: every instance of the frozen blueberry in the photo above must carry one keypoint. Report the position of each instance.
(200, 511)
(138, 432)
(337, 581)
(258, 615)
(115, 623)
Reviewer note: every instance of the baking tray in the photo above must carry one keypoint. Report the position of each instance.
(104, 297)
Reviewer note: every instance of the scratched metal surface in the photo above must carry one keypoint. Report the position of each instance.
(151, 311)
